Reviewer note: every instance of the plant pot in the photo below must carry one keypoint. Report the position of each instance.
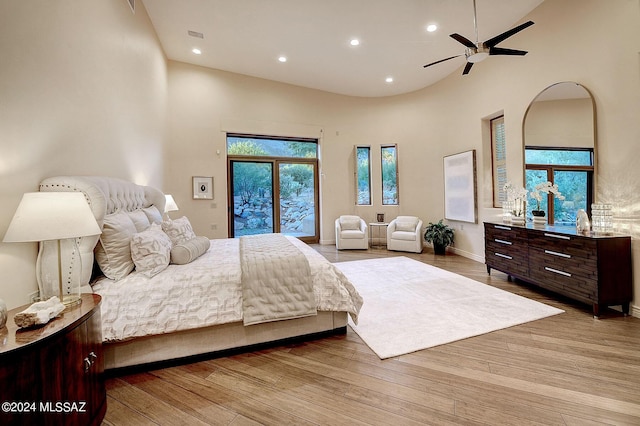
(538, 213)
(440, 249)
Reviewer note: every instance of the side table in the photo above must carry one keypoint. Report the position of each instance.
(378, 234)
(54, 374)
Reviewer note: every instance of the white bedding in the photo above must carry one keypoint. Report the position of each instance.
(204, 292)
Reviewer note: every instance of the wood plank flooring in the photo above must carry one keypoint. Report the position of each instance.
(569, 369)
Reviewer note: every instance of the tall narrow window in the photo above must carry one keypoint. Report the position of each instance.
(363, 175)
(389, 156)
(499, 160)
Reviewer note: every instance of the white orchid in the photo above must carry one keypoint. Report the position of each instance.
(545, 188)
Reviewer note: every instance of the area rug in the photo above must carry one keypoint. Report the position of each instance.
(409, 305)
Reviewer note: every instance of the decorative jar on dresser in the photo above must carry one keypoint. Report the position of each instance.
(593, 269)
(54, 374)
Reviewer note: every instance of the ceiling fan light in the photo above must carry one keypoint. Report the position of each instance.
(477, 57)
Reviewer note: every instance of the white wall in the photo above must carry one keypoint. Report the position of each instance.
(428, 124)
(82, 91)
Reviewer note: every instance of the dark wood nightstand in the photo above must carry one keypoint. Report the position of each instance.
(54, 374)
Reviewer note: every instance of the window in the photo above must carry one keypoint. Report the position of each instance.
(572, 170)
(363, 175)
(273, 186)
(389, 156)
(499, 160)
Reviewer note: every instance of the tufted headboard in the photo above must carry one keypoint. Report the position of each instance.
(105, 195)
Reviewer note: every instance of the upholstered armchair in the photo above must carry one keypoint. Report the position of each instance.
(404, 233)
(351, 233)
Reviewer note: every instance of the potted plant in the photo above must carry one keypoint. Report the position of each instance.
(544, 188)
(440, 235)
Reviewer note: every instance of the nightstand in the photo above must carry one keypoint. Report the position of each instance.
(54, 374)
(378, 234)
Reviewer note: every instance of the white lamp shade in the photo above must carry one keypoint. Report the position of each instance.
(170, 205)
(43, 216)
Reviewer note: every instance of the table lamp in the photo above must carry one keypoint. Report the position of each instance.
(170, 205)
(56, 220)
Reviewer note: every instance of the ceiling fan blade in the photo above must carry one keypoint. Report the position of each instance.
(441, 60)
(467, 68)
(462, 40)
(503, 51)
(501, 37)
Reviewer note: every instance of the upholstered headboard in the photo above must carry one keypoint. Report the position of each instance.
(105, 195)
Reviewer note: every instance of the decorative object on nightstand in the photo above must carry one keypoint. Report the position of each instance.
(380, 217)
(440, 235)
(55, 219)
(170, 205)
(3, 313)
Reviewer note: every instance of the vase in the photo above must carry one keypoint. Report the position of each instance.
(439, 249)
(538, 213)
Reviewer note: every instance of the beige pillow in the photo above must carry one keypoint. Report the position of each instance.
(139, 219)
(348, 223)
(153, 214)
(151, 250)
(113, 252)
(406, 223)
(178, 230)
(189, 251)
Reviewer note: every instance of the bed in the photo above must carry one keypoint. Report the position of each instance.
(168, 294)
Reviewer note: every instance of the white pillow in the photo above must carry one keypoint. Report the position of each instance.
(178, 230)
(153, 214)
(406, 223)
(151, 250)
(139, 219)
(189, 251)
(349, 223)
(113, 252)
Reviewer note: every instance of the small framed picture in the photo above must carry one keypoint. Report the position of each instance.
(202, 188)
(380, 217)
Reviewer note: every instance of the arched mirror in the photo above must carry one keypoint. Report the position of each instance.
(559, 135)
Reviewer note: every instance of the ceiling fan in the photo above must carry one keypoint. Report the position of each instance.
(476, 52)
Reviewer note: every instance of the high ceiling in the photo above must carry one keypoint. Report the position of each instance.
(248, 37)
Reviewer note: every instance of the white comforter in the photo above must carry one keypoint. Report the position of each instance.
(205, 292)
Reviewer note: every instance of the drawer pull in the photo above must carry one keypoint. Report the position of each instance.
(561, 237)
(555, 253)
(88, 361)
(506, 228)
(555, 271)
(503, 242)
(503, 256)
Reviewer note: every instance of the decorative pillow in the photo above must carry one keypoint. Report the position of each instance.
(113, 252)
(189, 251)
(153, 214)
(349, 223)
(151, 250)
(406, 223)
(139, 219)
(178, 230)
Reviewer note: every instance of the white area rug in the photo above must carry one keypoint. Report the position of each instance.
(409, 305)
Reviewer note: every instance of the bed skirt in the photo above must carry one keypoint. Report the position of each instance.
(181, 345)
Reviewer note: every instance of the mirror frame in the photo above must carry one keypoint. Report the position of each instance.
(595, 133)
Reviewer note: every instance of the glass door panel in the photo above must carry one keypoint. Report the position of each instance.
(297, 199)
(252, 183)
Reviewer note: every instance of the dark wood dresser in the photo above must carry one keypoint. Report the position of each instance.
(594, 269)
(54, 374)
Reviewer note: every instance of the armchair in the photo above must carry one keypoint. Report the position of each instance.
(351, 233)
(404, 233)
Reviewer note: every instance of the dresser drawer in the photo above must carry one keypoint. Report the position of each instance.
(570, 245)
(506, 249)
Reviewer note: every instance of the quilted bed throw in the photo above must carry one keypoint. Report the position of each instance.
(276, 280)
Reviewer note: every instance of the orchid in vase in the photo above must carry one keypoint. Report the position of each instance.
(516, 199)
(544, 188)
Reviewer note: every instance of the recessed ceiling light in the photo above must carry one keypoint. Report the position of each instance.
(282, 59)
(389, 79)
(432, 27)
(354, 42)
(196, 51)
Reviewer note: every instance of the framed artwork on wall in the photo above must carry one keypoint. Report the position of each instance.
(460, 195)
(202, 188)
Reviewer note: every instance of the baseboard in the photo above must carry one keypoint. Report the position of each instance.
(467, 254)
(635, 311)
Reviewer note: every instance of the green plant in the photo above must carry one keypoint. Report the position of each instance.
(438, 234)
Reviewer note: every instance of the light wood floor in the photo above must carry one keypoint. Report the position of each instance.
(569, 369)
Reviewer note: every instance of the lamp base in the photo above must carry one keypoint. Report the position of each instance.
(69, 300)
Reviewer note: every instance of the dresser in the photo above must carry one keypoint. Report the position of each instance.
(593, 269)
(54, 374)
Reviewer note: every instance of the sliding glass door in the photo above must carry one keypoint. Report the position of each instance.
(252, 197)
